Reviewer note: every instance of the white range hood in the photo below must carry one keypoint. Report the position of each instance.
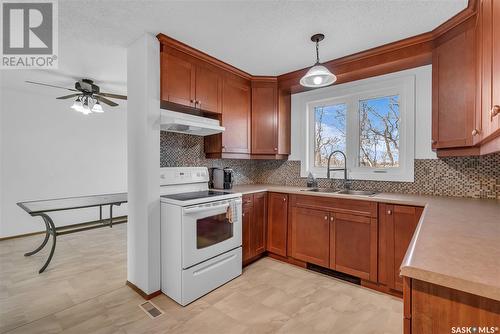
(173, 121)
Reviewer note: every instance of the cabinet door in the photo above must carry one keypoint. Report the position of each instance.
(264, 118)
(246, 231)
(353, 248)
(177, 78)
(310, 235)
(397, 226)
(490, 65)
(495, 87)
(277, 223)
(208, 90)
(454, 88)
(259, 223)
(235, 116)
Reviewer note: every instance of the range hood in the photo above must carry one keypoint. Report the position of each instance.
(173, 121)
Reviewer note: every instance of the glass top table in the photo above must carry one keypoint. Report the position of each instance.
(42, 208)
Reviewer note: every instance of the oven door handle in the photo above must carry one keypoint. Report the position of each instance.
(205, 208)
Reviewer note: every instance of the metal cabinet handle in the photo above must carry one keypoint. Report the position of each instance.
(284, 199)
(475, 132)
(495, 111)
(331, 218)
(275, 148)
(326, 217)
(389, 212)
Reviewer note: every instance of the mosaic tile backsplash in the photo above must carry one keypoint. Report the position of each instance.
(476, 177)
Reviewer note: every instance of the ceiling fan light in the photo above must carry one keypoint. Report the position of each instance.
(97, 108)
(318, 76)
(77, 106)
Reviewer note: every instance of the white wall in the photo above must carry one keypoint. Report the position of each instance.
(48, 150)
(423, 113)
(51, 151)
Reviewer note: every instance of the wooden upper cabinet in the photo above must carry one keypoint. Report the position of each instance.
(189, 82)
(397, 225)
(254, 112)
(454, 88)
(310, 235)
(208, 89)
(353, 245)
(264, 117)
(235, 116)
(277, 223)
(177, 78)
(489, 25)
(271, 119)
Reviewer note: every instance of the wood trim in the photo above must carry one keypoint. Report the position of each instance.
(288, 260)
(462, 16)
(406, 297)
(396, 56)
(353, 272)
(381, 288)
(458, 152)
(171, 42)
(142, 293)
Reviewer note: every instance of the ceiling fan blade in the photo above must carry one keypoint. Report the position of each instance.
(106, 101)
(67, 96)
(114, 96)
(54, 86)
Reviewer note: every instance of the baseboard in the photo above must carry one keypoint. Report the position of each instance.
(142, 293)
(116, 220)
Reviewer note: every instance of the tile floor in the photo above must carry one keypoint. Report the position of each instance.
(83, 291)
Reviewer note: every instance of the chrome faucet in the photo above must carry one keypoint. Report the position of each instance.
(347, 184)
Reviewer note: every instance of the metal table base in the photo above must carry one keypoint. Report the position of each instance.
(52, 230)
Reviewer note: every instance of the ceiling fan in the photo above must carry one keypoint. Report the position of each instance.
(88, 96)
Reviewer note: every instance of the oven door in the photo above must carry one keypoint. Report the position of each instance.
(208, 231)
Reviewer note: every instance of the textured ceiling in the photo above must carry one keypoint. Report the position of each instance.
(260, 37)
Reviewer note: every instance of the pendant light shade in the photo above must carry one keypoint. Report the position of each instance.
(318, 75)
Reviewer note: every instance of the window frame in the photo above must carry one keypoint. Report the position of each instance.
(351, 94)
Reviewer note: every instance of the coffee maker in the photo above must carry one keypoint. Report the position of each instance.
(223, 178)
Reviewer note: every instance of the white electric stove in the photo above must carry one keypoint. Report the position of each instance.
(200, 234)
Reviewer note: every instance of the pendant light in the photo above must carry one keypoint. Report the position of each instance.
(318, 75)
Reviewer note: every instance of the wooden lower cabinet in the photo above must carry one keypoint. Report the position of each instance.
(259, 223)
(335, 233)
(246, 216)
(434, 309)
(310, 235)
(277, 226)
(353, 245)
(254, 218)
(397, 224)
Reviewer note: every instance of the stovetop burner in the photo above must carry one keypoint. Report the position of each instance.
(196, 195)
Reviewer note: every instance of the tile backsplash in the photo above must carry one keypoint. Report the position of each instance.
(477, 177)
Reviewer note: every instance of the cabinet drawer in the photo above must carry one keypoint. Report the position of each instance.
(341, 205)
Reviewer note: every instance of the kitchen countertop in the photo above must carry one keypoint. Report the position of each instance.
(456, 243)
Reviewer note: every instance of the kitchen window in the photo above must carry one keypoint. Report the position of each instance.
(372, 122)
